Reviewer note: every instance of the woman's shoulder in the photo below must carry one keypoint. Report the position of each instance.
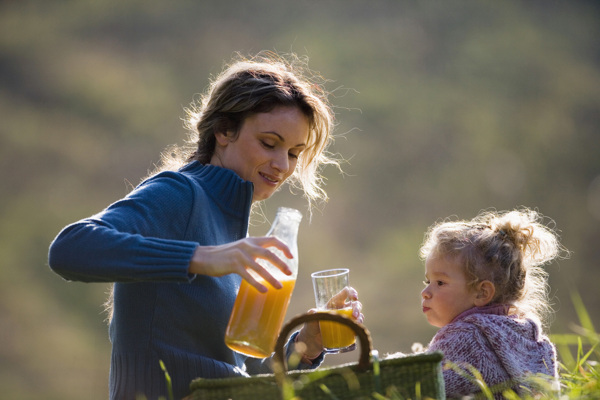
(164, 182)
(204, 181)
(192, 174)
(197, 173)
(183, 173)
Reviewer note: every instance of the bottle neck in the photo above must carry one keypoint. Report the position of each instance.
(286, 224)
(285, 228)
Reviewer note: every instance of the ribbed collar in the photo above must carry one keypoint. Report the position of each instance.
(495, 309)
(229, 191)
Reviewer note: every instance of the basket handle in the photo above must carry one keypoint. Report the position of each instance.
(360, 330)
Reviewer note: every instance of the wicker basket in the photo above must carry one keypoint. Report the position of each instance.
(410, 377)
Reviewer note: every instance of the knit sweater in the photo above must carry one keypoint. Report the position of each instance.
(501, 347)
(144, 243)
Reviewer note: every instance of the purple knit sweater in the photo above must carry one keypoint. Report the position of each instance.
(501, 347)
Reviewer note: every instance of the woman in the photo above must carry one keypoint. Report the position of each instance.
(177, 246)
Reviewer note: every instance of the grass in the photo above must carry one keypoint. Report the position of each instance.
(579, 371)
(578, 364)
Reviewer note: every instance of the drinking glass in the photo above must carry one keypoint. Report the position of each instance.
(331, 295)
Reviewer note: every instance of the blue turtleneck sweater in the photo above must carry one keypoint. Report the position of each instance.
(144, 243)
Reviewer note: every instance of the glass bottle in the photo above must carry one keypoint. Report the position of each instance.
(257, 317)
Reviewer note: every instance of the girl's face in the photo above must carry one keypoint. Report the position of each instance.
(266, 150)
(446, 293)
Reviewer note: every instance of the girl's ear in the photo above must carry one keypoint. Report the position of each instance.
(485, 293)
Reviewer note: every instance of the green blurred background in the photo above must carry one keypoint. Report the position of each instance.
(444, 108)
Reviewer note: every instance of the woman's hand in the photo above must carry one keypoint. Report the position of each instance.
(310, 334)
(240, 257)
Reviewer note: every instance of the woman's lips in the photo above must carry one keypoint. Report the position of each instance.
(270, 179)
(425, 309)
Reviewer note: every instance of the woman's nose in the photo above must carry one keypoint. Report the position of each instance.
(281, 162)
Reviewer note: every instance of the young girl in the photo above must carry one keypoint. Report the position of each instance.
(486, 290)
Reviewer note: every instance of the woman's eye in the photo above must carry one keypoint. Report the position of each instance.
(267, 145)
(440, 283)
(292, 155)
(426, 282)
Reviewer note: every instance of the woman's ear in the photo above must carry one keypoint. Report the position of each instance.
(222, 138)
(485, 293)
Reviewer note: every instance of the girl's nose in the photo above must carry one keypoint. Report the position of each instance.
(425, 293)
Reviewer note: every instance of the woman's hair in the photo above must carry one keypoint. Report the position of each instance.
(258, 85)
(507, 248)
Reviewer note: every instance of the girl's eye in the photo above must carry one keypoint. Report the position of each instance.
(440, 283)
(267, 145)
(426, 282)
(294, 156)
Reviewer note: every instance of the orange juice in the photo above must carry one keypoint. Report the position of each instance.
(335, 335)
(257, 317)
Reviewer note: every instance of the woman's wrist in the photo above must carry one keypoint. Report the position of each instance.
(199, 264)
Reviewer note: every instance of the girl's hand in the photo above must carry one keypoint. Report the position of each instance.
(310, 334)
(346, 298)
(240, 257)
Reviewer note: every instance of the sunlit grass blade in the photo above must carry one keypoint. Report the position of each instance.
(582, 314)
(376, 371)
(168, 379)
(328, 392)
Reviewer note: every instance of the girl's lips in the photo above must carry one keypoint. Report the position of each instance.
(425, 309)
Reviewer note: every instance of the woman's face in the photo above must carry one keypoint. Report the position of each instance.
(266, 150)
